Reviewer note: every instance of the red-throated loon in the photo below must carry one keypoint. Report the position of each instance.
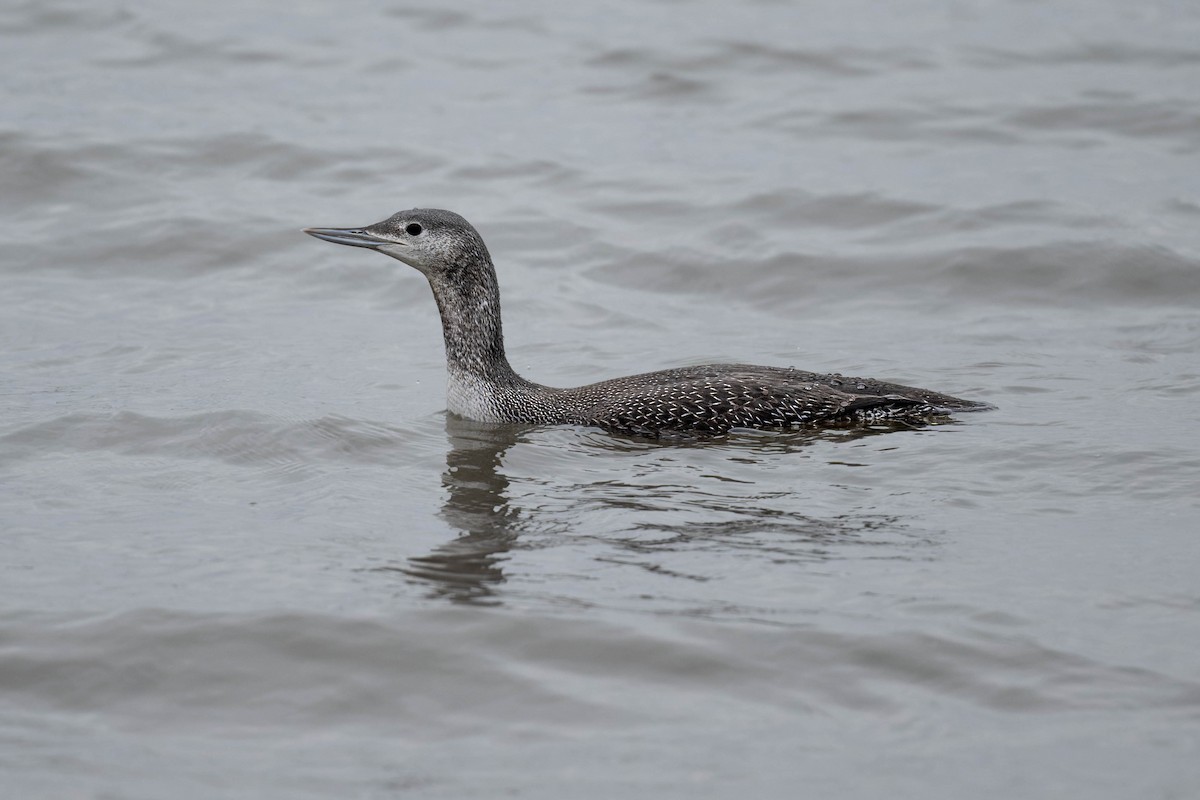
(713, 398)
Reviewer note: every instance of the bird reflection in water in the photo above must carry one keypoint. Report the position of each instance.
(470, 568)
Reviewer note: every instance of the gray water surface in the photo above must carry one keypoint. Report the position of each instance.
(248, 554)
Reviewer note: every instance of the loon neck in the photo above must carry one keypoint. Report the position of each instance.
(468, 301)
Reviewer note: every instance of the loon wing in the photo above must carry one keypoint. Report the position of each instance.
(714, 398)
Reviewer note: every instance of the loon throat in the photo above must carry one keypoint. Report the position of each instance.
(708, 399)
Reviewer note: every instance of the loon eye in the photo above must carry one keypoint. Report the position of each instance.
(413, 229)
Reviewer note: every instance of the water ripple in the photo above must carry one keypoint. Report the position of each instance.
(241, 438)
(241, 673)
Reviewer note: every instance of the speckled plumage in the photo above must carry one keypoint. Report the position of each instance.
(712, 398)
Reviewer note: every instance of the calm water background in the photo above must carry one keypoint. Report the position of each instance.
(246, 553)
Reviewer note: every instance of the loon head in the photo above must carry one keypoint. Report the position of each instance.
(437, 243)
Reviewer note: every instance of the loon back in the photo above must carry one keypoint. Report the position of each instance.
(713, 398)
